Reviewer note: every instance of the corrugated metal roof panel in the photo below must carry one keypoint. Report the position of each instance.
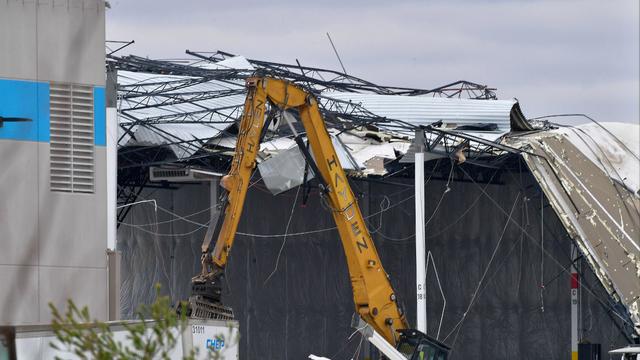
(171, 133)
(420, 110)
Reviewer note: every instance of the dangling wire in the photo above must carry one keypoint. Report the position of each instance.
(385, 203)
(286, 230)
(458, 325)
(432, 261)
(446, 190)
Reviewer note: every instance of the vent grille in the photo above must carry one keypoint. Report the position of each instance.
(71, 151)
(169, 173)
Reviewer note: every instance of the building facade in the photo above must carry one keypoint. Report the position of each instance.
(53, 211)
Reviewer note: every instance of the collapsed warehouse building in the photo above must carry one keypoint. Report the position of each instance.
(515, 209)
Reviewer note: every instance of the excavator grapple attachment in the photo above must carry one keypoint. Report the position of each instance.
(201, 308)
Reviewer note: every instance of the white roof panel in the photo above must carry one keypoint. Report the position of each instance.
(422, 110)
(614, 149)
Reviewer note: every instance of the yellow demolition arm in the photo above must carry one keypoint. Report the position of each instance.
(373, 296)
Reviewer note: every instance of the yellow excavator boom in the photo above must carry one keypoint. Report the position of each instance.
(373, 295)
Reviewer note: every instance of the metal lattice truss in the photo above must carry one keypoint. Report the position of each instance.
(184, 111)
(196, 85)
(324, 79)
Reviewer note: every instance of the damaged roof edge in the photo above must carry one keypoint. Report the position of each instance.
(603, 224)
(453, 112)
(518, 121)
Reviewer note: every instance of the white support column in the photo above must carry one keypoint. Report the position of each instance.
(112, 176)
(575, 285)
(421, 294)
(113, 256)
(112, 158)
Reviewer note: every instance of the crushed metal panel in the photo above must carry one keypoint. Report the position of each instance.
(345, 157)
(599, 214)
(384, 150)
(284, 171)
(236, 62)
(277, 144)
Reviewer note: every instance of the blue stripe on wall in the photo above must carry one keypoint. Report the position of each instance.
(25, 99)
(44, 116)
(99, 116)
(30, 99)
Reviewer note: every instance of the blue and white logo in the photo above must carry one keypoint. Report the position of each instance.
(215, 344)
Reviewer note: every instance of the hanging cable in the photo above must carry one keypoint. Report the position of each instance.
(535, 242)
(446, 190)
(170, 220)
(155, 205)
(167, 234)
(284, 241)
(349, 340)
(321, 230)
(464, 213)
(431, 260)
(177, 216)
(384, 206)
(459, 324)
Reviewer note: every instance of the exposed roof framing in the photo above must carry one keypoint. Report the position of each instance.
(201, 91)
(324, 79)
(183, 112)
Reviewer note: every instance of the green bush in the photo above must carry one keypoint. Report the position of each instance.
(153, 337)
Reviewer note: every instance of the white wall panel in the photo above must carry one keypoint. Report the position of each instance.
(71, 36)
(53, 244)
(73, 227)
(86, 286)
(18, 39)
(19, 294)
(19, 204)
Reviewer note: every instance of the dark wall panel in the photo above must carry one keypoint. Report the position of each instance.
(521, 308)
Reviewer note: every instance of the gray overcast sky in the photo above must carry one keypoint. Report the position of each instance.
(554, 56)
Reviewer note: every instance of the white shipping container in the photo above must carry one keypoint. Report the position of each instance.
(206, 337)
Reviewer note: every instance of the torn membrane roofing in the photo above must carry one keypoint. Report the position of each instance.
(590, 177)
